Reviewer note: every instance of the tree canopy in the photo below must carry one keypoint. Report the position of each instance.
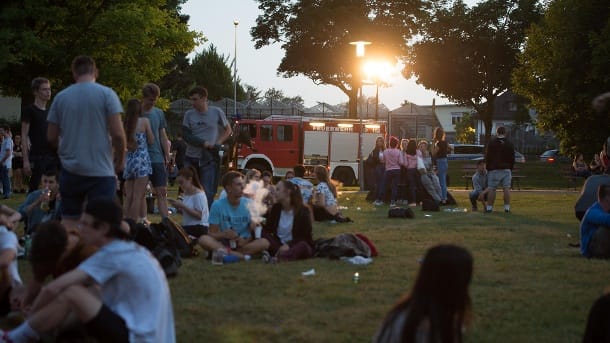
(132, 41)
(213, 71)
(468, 54)
(315, 36)
(564, 66)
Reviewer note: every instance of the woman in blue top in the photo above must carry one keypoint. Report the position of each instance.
(137, 166)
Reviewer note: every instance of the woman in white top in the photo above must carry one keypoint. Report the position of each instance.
(194, 203)
(324, 198)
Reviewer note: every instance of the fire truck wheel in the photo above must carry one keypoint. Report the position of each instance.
(258, 166)
(345, 176)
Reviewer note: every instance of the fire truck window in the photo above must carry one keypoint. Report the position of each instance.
(266, 133)
(249, 130)
(284, 133)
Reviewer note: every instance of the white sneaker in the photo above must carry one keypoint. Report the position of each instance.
(378, 203)
(393, 204)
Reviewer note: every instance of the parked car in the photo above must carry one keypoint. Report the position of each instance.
(552, 156)
(474, 152)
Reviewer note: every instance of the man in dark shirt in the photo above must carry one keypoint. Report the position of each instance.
(500, 159)
(37, 155)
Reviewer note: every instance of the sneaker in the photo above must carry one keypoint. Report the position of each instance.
(507, 211)
(393, 204)
(474, 209)
(378, 203)
(488, 211)
(266, 256)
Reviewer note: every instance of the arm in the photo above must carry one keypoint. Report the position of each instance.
(6, 257)
(52, 289)
(150, 137)
(225, 135)
(163, 143)
(52, 135)
(119, 144)
(214, 231)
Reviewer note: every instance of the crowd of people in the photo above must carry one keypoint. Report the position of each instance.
(104, 284)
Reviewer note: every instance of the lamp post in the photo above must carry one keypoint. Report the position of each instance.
(235, 23)
(360, 46)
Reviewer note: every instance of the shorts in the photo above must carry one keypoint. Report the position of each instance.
(499, 177)
(158, 178)
(75, 189)
(195, 230)
(108, 326)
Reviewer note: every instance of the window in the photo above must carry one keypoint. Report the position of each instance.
(284, 133)
(266, 133)
(456, 117)
(248, 130)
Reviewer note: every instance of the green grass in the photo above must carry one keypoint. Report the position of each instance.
(528, 285)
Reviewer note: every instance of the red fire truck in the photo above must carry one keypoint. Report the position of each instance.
(278, 143)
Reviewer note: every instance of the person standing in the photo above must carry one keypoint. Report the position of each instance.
(6, 161)
(440, 150)
(500, 159)
(377, 161)
(158, 151)
(37, 154)
(137, 166)
(84, 124)
(204, 128)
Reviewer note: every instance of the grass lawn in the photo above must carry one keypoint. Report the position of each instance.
(528, 285)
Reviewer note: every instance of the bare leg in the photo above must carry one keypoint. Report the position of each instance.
(491, 197)
(255, 246)
(74, 299)
(507, 196)
(139, 201)
(162, 200)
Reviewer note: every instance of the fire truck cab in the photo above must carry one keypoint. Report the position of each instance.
(278, 143)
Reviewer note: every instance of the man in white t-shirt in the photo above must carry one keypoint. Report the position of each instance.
(135, 303)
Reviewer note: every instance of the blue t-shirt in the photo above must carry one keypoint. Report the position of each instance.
(157, 122)
(593, 219)
(81, 112)
(223, 214)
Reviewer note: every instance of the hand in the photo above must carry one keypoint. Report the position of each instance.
(231, 234)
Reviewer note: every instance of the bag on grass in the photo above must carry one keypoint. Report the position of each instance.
(182, 241)
(159, 241)
(401, 212)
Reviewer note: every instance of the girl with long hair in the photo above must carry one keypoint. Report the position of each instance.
(288, 227)
(393, 160)
(439, 306)
(410, 163)
(325, 206)
(440, 149)
(137, 167)
(194, 203)
(376, 160)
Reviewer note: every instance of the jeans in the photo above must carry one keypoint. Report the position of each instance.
(474, 196)
(393, 177)
(208, 176)
(6, 181)
(443, 166)
(412, 177)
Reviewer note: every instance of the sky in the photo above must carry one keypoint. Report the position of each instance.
(215, 19)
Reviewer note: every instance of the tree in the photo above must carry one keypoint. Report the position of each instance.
(213, 71)
(563, 67)
(468, 54)
(252, 93)
(464, 129)
(131, 41)
(273, 94)
(315, 36)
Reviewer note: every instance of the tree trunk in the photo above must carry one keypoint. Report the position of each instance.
(353, 103)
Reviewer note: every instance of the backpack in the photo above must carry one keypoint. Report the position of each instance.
(159, 241)
(401, 212)
(182, 241)
(430, 205)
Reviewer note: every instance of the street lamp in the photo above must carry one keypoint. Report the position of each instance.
(378, 72)
(235, 23)
(360, 46)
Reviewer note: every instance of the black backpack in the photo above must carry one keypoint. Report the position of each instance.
(401, 212)
(160, 242)
(182, 241)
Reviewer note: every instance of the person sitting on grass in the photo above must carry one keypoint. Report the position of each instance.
(9, 273)
(43, 204)
(288, 227)
(438, 306)
(431, 184)
(479, 186)
(305, 186)
(230, 222)
(194, 204)
(595, 226)
(54, 252)
(135, 303)
(325, 206)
